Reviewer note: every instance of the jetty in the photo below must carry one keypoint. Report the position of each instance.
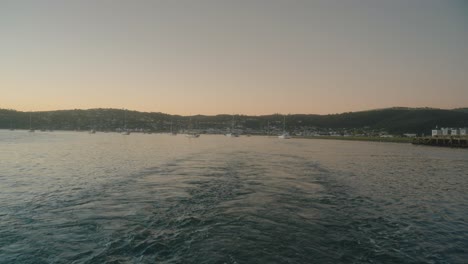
(444, 141)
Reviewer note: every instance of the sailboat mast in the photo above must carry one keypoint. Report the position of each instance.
(268, 127)
(30, 120)
(284, 124)
(125, 119)
(232, 124)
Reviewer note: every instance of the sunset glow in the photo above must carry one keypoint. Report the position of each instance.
(246, 57)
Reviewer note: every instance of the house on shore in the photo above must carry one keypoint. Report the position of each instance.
(463, 131)
(436, 132)
(445, 131)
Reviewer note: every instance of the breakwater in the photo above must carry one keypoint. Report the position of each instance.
(454, 142)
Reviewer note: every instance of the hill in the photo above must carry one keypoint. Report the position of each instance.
(393, 120)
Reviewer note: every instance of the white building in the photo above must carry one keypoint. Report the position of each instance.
(450, 132)
(463, 131)
(436, 132)
(445, 131)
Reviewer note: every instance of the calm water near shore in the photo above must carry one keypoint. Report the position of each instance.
(69, 197)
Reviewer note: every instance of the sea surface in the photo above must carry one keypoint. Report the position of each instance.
(71, 197)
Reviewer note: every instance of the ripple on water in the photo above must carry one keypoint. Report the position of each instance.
(304, 201)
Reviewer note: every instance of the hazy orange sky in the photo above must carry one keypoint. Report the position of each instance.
(246, 57)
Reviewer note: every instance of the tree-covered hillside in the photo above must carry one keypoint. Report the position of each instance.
(393, 120)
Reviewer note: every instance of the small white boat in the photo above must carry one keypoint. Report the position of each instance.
(232, 133)
(285, 134)
(92, 131)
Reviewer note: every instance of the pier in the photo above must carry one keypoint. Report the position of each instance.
(449, 141)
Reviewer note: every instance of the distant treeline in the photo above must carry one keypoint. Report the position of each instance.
(392, 120)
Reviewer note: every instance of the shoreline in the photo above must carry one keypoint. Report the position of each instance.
(369, 139)
(351, 138)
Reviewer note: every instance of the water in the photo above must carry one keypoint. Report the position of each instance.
(68, 197)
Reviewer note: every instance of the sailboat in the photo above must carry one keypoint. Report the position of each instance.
(285, 134)
(30, 122)
(231, 133)
(268, 128)
(172, 131)
(126, 131)
(192, 134)
(93, 128)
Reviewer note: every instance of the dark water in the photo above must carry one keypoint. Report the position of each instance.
(106, 198)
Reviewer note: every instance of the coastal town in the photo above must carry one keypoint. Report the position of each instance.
(403, 125)
(383, 124)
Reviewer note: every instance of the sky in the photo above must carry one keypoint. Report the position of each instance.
(233, 57)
